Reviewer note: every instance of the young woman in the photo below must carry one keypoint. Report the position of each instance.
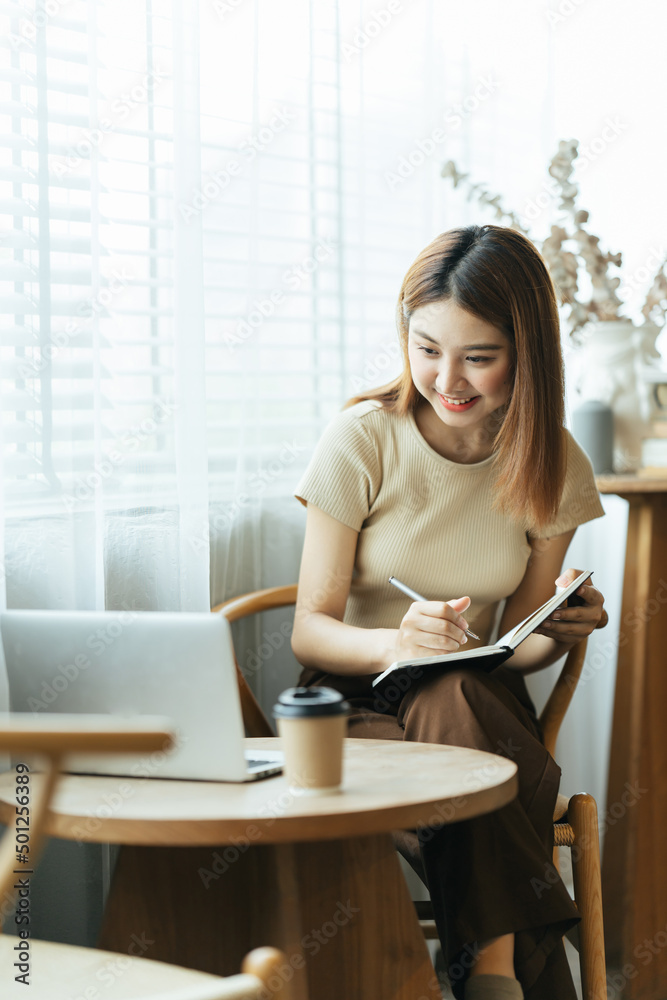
(460, 479)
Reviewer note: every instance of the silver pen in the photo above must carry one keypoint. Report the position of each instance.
(409, 592)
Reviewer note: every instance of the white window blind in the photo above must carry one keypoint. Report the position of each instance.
(86, 146)
(307, 221)
(303, 259)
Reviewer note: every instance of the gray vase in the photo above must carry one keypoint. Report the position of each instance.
(593, 429)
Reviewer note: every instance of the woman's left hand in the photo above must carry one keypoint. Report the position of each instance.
(571, 624)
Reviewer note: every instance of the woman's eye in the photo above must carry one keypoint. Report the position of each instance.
(428, 351)
(476, 360)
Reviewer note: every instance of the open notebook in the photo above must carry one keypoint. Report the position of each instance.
(488, 657)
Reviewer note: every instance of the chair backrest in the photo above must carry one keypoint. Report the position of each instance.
(278, 597)
(52, 737)
(256, 722)
(265, 972)
(559, 700)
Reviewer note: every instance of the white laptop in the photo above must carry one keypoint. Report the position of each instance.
(174, 664)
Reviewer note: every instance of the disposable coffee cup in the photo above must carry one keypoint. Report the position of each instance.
(312, 724)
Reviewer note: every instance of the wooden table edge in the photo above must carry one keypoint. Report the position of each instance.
(273, 829)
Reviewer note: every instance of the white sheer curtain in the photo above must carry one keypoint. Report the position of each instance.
(103, 375)
(206, 210)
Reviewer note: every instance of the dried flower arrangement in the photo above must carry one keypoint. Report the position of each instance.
(570, 245)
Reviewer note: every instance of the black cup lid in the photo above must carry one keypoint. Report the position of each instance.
(302, 702)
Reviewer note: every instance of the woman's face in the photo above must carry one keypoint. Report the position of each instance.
(461, 365)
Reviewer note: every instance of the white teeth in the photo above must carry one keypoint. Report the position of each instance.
(458, 402)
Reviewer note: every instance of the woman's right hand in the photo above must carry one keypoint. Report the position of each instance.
(432, 627)
(323, 641)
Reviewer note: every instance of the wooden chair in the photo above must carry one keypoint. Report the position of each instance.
(575, 819)
(58, 971)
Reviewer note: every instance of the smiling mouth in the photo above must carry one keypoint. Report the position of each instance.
(457, 400)
(454, 403)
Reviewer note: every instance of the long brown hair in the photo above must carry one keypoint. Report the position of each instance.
(497, 274)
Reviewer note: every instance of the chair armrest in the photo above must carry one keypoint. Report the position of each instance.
(256, 601)
(56, 734)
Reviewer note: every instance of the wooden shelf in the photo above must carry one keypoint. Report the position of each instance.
(629, 482)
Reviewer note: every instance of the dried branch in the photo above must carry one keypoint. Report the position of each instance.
(450, 170)
(570, 246)
(655, 307)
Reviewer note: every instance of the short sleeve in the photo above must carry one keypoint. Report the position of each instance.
(580, 501)
(343, 476)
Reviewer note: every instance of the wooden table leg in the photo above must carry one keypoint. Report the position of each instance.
(634, 870)
(339, 909)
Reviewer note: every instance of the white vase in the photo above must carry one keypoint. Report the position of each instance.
(604, 368)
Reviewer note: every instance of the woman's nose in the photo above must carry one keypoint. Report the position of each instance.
(449, 379)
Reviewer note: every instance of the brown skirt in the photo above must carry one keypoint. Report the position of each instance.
(491, 875)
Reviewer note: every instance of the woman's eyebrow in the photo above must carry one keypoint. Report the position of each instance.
(466, 347)
(420, 333)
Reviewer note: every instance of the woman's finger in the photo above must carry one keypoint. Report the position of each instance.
(590, 594)
(574, 622)
(442, 610)
(564, 629)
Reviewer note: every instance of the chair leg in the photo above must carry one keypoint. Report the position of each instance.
(582, 815)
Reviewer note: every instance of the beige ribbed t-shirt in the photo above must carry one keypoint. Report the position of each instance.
(425, 519)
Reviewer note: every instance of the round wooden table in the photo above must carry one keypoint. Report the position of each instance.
(210, 870)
